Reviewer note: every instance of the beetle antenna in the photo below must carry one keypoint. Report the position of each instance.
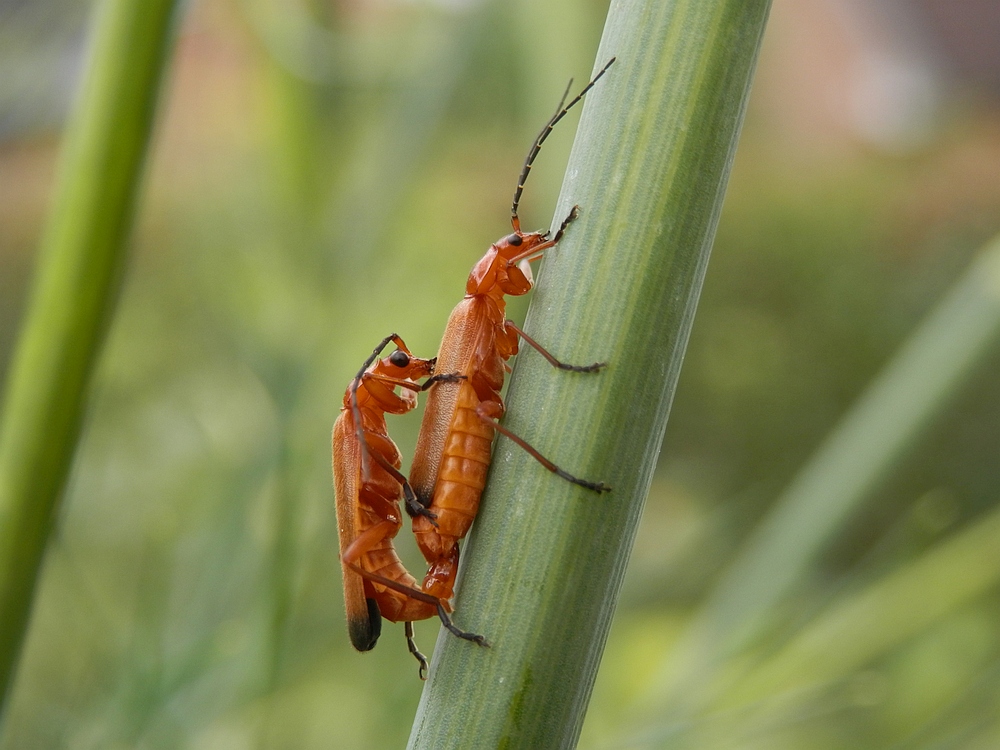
(359, 429)
(543, 134)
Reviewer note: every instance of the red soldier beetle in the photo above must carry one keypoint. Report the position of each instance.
(453, 451)
(368, 486)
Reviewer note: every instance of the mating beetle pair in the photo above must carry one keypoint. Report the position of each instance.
(454, 445)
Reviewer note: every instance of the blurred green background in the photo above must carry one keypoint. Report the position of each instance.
(326, 172)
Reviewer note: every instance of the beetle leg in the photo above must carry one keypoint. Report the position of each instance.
(456, 631)
(485, 412)
(412, 504)
(420, 596)
(570, 218)
(444, 377)
(412, 645)
(366, 541)
(536, 252)
(551, 359)
(416, 508)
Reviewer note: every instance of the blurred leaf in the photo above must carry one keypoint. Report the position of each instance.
(862, 626)
(868, 443)
(81, 263)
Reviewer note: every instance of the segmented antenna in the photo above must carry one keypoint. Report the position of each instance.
(359, 429)
(543, 134)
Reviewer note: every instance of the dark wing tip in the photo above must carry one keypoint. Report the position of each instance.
(365, 630)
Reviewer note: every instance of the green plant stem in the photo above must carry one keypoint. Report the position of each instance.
(80, 267)
(870, 440)
(546, 559)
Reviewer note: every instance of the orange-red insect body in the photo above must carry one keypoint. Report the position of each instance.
(455, 441)
(368, 486)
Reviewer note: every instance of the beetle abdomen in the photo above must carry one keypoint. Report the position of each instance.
(461, 477)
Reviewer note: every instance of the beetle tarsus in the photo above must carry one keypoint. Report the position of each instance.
(411, 644)
(597, 487)
(456, 631)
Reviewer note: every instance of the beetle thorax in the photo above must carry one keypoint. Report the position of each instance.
(494, 275)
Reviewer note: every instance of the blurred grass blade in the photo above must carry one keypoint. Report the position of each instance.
(546, 559)
(875, 434)
(80, 267)
(970, 710)
(866, 625)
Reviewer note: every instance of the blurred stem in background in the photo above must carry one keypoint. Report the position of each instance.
(380, 166)
(546, 559)
(80, 269)
(871, 440)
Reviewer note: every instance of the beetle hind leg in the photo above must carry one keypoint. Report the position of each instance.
(457, 631)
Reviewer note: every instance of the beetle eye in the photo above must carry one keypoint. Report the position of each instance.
(399, 358)
(514, 239)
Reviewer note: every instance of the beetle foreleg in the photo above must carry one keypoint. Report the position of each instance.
(445, 377)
